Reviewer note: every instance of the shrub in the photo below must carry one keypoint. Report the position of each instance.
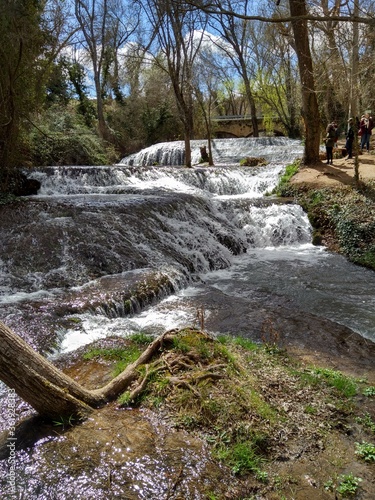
(73, 149)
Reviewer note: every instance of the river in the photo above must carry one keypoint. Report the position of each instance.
(210, 238)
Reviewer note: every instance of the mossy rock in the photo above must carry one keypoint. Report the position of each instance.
(251, 161)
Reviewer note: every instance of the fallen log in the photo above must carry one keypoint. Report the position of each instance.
(48, 390)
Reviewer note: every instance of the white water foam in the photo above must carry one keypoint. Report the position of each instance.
(195, 231)
(225, 151)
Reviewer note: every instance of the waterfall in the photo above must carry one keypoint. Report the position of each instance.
(124, 180)
(143, 246)
(90, 221)
(93, 234)
(225, 151)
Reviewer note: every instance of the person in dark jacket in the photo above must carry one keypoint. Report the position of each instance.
(330, 142)
(366, 125)
(349, 139)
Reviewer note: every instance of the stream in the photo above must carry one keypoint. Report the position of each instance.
(207, 238)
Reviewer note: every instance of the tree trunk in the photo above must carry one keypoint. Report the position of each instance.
(310, 110)
(48, 390)
(354, 90)
(187, 150)
(250, 98)
(37, 381)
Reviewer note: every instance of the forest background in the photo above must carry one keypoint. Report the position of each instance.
(86, 82)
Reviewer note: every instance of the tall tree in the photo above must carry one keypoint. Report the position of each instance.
(22, 42)
(310, 109)
(235, 32)
(353, 102)
(298, 18)
(204, 93)
(276, 80)
(179, 34)
(92, 17)
(105, 27)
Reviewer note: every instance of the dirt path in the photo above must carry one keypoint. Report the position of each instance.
(341, 172)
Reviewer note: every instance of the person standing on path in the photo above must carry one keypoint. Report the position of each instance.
(366, 125)
(349, 139)
(330, 142)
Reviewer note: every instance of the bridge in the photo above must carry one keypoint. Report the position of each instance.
(241, 126)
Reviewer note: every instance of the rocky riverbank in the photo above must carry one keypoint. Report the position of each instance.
(217, 419)
(341, 210)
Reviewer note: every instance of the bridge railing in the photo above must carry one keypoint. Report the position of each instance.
(226, 118)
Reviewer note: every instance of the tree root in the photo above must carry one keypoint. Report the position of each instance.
(54, 394)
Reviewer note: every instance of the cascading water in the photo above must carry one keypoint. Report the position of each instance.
(93, 231)
(205, 238)
(225, 151)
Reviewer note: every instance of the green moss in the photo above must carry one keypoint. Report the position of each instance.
(237, 395)
(123, 356)
(283, 188)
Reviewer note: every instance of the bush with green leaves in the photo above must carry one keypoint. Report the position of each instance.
(369, 391)
(344, 218)
(78, 148)
(60, 137)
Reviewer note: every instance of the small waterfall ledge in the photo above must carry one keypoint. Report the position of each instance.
(225, 151)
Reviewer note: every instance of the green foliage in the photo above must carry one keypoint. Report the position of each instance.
(140, 338)
(112, 353)
(311, 410)
(57, 87)
(224, 339)
(60, 136)
(77, 77)
(247, 344)
(366, 451)
(242, 457)
(346, 386)
(367, 422)
(237, 406)
(283, 189)
(367, 259)
(22, 43)
(346, 485)
(156, 122)
(6, 198)
(124, 399)
(369, 391)
(63, 422)
(347, 217)
(123, 356)
(317, 197)
(181, 345)
(75, 148)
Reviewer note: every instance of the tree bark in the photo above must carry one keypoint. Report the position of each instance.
(48, 390)
(310, 109)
